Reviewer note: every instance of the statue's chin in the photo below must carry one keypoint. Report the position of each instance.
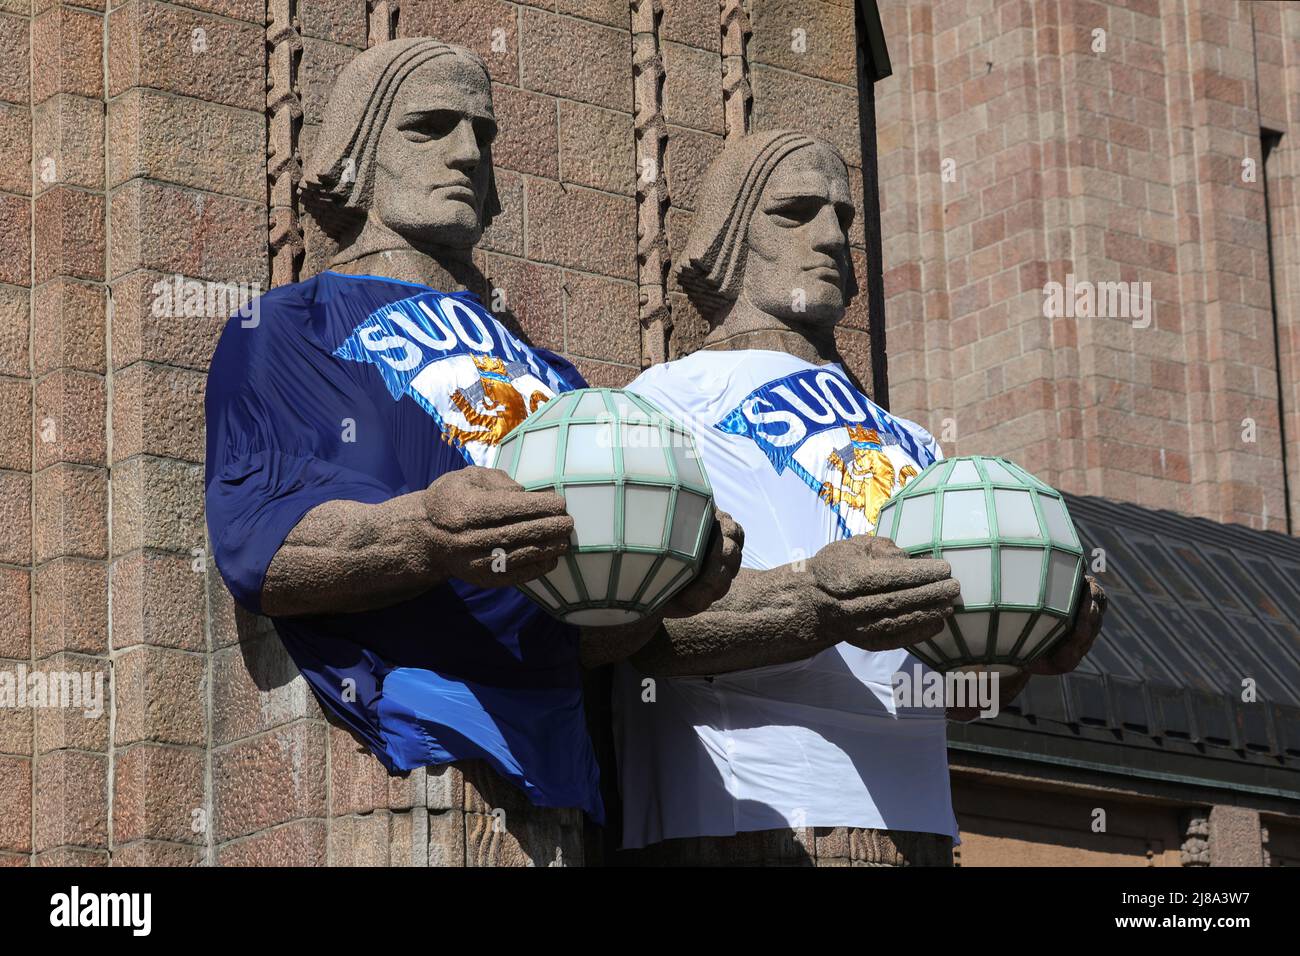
(453, 232)
(821, 307)
(815, 317)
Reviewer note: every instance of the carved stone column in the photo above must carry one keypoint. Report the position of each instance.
(651, 183)
(1196, 838)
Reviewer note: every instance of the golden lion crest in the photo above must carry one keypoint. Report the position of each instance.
(493, 406)
(866, 476)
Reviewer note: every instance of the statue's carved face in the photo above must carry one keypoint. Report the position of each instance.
(433, 164)
(797, 264)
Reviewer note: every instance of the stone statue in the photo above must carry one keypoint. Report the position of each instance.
(740, 267)
(346, 494)
(767, 262)
(402, 178)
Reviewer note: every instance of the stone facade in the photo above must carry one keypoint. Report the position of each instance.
(1024, 142)
(145, 140)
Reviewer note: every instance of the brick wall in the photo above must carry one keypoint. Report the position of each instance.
(1122, 163)
(16, 737)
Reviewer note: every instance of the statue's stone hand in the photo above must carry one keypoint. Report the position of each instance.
(717, 571)
(1087, 625)
(870, 594)
(863, 591)
(487, 530)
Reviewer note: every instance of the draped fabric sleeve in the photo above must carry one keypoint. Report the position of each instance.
(278, 410)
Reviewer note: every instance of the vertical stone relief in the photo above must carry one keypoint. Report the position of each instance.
(1196, 838)
(651, 137)
(382, 20)
(284, 121)
(737, 95)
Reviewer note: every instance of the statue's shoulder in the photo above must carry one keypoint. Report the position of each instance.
(714, 378)
(290, 295)
(726, 362)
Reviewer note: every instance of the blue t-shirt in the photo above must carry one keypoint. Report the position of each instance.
(364, 388)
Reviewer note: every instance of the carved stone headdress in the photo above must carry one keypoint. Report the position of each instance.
(713, 263)
(340, 179)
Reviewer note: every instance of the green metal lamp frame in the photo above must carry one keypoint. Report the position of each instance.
(566, 410)
(932, 481)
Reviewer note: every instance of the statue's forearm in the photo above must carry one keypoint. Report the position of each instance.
(766, 618)
(347, 556)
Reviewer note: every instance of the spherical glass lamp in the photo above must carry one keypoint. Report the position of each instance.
(641, 503)
(1013, 547)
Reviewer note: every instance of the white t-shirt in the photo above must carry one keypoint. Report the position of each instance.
(819, 742)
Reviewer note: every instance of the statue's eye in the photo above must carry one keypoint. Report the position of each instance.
(795, 211)
(434, 124)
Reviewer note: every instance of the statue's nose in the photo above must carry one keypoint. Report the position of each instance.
(465, 154)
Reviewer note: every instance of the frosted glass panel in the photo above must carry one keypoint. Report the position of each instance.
(946, 641)
(973, 567)
(686, 526)
(1040, 635)
(1022, 571)
(624, 408)
(975, 629)
(562, 581)
(1060, 580)
(642, 451)
(591, 405)
(963, 472)
(601, 617)
(916, 526)
(645, 511)
(1058, 522)
(999, 474)
(687, 461)
(537, 457)
(930, 476)
(1016, 518)
(662, 579)
(1011, 624)
(631, 572)
(551, 408)
(1027, 478)
(885, 523)
(926, 651)
(964, 516)
(592, 508)
(644, 407)
(506, 456)
(543, 595)
(594, 569)
(589, 450)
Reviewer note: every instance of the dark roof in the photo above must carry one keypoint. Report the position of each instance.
(1198, 612)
